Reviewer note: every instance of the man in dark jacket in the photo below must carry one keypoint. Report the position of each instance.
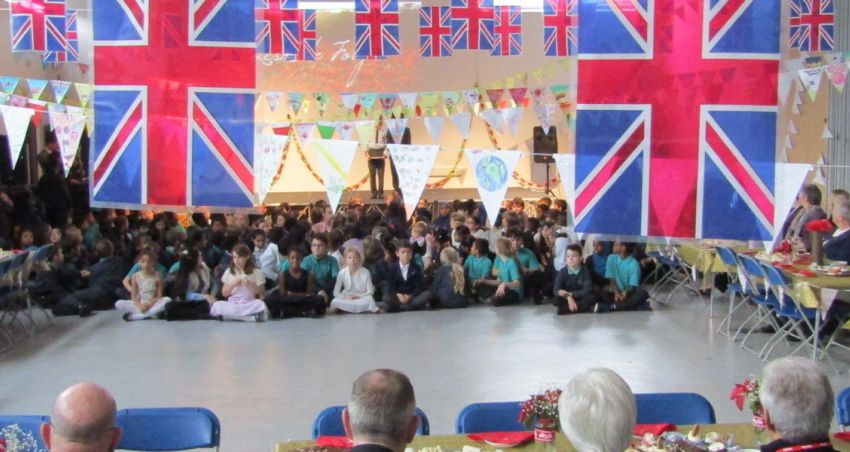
(573, 290)
(104, 277)
(403, 288)
(381, 416)
(837, 248)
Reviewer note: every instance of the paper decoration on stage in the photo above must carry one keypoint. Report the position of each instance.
(396, 128)
(36, 87)
(365, 131)
(811, 25)
(435, 31)
(434, 124)
(826, 134)
(367, 101)
(273, 99)
(493, 118)
(268, 152)
(811, 80)
(322, 100)
(295, 100)
(413, 164)
(349, 101)
(472, 97)
(545, 115)
(387, 101)
(837, 74)
(68, 129)
(451, 100)
(495, 96)
(83, 93)
(518, 95)
(187, 142)
(276, 27)
(819, 177)
(16, 120)
(512, 117)
(335, 157)
(463, 122)
(561, 97)
(507, 31)
(70, 42)
(676, 169)
(428, 102)
(792, 128)
(346, 130)
(566, 164)
(326, 129)
(37, 25)
(304, 131)
(560, 27)
(492, 171)
(789, 179)
(281, 128)
(472, 24)
(60, 89)
(409, 102)
(8, 84)
(376, 29)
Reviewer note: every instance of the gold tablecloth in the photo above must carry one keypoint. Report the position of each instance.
(744, 435)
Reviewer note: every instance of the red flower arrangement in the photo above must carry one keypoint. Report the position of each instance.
(784, 247)
(540, 406)
(819, 226)
(747, 392)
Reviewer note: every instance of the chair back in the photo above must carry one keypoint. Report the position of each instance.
(489, 417)
(842, 408)
(25, 430)
(752, 272)
(727, 255)
(329, 422)
(42, 253)
(160, 429)
(677, 408)
(17, 269)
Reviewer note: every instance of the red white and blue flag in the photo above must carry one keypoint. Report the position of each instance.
(178, 129)
(37, 25)
(307, 31)
(376, 29)
(507, 31)
(560, 27)
(435, 31)
(472, 24)
(812, 25)
(663, 146)
(71, 42)
(277, 26)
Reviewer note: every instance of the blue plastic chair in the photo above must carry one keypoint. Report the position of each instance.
(329, 422)
(753, 274)
(677, 408)
(797, 316)
(28, 425)
(842, 408)
(735, 289)
(489, 417)
(163, 429)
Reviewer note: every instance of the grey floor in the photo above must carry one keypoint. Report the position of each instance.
(267, 381)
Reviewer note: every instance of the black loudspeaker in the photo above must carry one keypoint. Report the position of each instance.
(545, 144)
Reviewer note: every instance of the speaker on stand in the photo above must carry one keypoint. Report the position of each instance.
(545, 144)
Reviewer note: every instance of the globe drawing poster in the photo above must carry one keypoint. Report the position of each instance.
(413, 163)
(493, 171)
(335, 157)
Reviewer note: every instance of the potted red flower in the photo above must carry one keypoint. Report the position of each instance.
(748, 392)
(817, 228)
(541, 412)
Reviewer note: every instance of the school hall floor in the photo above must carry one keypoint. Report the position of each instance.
(267, 381)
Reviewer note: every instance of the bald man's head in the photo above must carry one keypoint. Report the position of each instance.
(83, 420)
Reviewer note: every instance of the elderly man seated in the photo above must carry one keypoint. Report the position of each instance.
(598, 411)
(381, 416)
(798, 405)
(83, 420)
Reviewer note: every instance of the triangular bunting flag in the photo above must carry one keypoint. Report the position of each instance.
(9, 84)
(17, 121)
(69, 130)
(811, 80)
(365, 131)
(434, 124)
(36, 87)
(367, 100)
(512, 117)
(396, 128)
(545, 115)
(56, 108)
(537, 74)
(451, 99)
(566, 164)
(273, 99)
(335, 157)
(408, 100)
(304, 131)
(387, 101)
(413, 164)
(349, 101)
(538, 95)
(795, 108)
(281, 128)
(322, 100)
(492, 171)
(346, 130)
(38, 109)
(495, 95)
(493, 118)
(820, 177)
(518, 95)
(295, 100)
(837, 74)
(4, 98)
(472, 97)
(326, 129)
(463, 122)
(429, 102)
(789, 179)
(792, 128)
(60, 89)
(83, 93)
(788, 143)
(268, 152)
(826, 135)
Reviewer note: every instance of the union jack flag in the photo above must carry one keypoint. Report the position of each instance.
(812, 25)
(435, 31)
(71, 42)
(37, 25)
(472, 24)
(187, 141)
(673, 157)
(277, 26)
(507, 31)
(376, 29)
(560, 22)
(307, 30)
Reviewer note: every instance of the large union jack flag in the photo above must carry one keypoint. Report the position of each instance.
(507, 31)
(71, 43)
(173, 131)
(663, 147)
(277, 26)
(376, 29)
(812, 25)
(472, 24)
(37, 25)
(560, 25)
(435, 31)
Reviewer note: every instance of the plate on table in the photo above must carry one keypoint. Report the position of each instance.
(826, 271)
(502, 440)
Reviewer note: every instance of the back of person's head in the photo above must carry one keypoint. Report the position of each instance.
(83, 419)
(483, 246)
(798, 399)
(840, 195)
(812, 193)
(450, 256)
(597, 411)
(104, 248)
(628, 248)
(382, 409)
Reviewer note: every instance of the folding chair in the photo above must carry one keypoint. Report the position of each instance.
(678, 408)
(682, 274)
(37, 262)
(165, 429)
(489, 417)
(24, 430)
(329, 422)
(751, 272)
(670, 269)
(18, 301)
(842, 408)
(730, 260)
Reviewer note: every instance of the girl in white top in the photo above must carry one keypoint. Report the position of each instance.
(353, 290)
(145, 291)
(244, 287)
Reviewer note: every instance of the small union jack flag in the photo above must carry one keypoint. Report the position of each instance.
(435, 31)
(472, 24)
(376, 29)
(38, 25)
(812, 25)
(307, 30)
(277, 26)
(71, 42)
(560, 22)
(507, 30)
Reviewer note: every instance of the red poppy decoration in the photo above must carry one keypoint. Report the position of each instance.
(784, 247)
(739, 395)
(819, 226)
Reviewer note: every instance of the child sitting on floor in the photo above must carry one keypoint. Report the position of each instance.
(146, 300)
(507, 289)
(477, 266)
(449, 287)
(244, 287)
(353, 290)
(296, 294)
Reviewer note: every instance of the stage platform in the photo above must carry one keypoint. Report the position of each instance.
(437, 194)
